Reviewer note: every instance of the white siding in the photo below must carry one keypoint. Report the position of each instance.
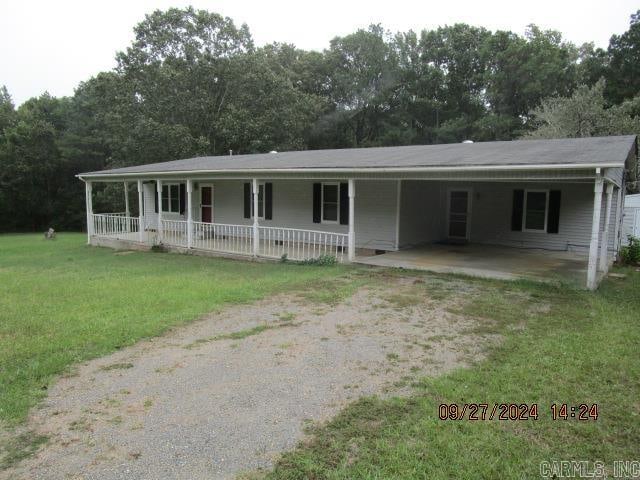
(424, 208)
(150, 215)
(375, 209)
(632, 200)
(631, 223)
(422, 213)
(615, 174)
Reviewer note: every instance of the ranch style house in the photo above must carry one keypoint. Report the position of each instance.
(511, 209)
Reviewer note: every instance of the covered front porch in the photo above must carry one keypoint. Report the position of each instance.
(488, 261)
(179, 214)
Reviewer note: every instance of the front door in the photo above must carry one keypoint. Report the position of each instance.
(459, 209)
(206, 204)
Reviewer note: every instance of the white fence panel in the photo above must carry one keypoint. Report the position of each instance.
(218, 237)
(115, 225)
(299, 244)
(174, 233)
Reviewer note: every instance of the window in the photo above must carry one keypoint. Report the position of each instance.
(330, 202)
(536, 207)
(171, 198)
(260, 202)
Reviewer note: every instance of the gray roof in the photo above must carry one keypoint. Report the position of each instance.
(534, 153)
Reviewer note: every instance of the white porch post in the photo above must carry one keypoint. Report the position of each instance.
(88, 189)
(189, 214)
(352, 234)
(126, 200)
(159, 193)
(616, 232)
(604, 246)
(592, 269)
(398, 201)
(256, 232)
(140, 213)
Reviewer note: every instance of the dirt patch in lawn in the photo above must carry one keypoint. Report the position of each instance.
(228, 393)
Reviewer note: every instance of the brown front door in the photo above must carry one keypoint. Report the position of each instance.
(206, 204)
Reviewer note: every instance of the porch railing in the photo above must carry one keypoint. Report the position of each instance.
(299, 244)
(115, 225)
(174, 233)
(274, 242)
(224, 238)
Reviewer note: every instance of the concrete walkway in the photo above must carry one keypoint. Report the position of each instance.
(487, 261)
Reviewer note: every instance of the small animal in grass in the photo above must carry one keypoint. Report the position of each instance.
(50, 234)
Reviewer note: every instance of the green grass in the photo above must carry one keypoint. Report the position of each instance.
(63, 302)
(560, 346)
(19, 447)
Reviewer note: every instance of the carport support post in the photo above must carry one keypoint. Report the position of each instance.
(189, 214)
(126, 200)
(256, 232)
(352, 235)
(159, 193)
(604, 246)
(88, 189)
(140, 213)
(592, 269)
(616, 232)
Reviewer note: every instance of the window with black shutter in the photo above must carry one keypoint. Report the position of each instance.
(268, 201)
(317, 202)
(247, 200)
(170, 198)
(344, 204)
(553, 220)
(263, 208)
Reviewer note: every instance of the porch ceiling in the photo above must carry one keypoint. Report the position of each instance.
(487, 261)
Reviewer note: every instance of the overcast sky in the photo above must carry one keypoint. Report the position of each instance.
(52, 45)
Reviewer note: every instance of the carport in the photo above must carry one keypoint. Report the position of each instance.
(488, 261)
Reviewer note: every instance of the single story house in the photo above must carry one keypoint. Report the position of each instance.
(631, 217)
(443, 207)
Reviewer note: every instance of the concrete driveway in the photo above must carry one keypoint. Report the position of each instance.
(488, 261)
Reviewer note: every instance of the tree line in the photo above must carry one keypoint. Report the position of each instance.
(193, 83)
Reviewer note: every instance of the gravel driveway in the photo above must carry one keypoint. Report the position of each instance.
(228, 393)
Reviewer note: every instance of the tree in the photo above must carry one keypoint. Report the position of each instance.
(585, 114)
(180, 68)
(34, 175)
(623, 75)
(523, 71)
(363, 77)
(7, 109)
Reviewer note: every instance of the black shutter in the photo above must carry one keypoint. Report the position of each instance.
(155, 196)
(268, 201)
(317, 198)
(344, 204)
(183, 191)
(516, 212)
(553, 219)
(247, 200)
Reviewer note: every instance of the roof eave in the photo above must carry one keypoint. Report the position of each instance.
(557, 166)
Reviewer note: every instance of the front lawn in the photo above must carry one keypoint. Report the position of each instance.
(560, 346)
(62, 302)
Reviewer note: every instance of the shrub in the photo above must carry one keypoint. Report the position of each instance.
(630, 253)
(159, 248)
(321, 261)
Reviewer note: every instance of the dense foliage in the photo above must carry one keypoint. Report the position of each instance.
(192, 82)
